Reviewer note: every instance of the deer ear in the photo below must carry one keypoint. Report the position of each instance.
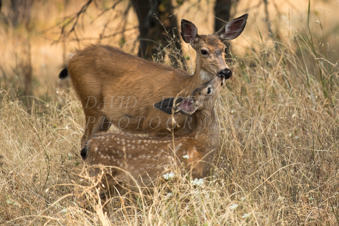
(167, 105)
(233, 28)
(188, 31)
(187, 106)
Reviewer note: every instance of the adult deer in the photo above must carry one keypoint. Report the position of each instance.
(117, 88)
(145, 159)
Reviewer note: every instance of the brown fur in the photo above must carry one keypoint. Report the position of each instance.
(100, 73)
(145, 159)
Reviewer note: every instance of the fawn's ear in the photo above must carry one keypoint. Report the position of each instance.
(233, 28)
(187, 106)
(188, 31)
(166, 105)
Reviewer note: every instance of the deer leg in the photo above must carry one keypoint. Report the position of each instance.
(92, 126)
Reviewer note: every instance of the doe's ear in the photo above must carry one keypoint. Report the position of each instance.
(233, 28)
(188, 31)
(167, 105)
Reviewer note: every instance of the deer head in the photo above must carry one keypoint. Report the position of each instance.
(201, 99)
(210, 48)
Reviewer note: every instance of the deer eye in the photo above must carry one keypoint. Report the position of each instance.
(209, 90)
(204, 52)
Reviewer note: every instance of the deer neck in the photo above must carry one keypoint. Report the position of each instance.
(207, 125)
(201, 74)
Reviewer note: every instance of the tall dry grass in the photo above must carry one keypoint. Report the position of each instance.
(278, 158)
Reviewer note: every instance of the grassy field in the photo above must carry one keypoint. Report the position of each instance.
(278, 161)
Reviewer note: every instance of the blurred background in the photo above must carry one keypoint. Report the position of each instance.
(37, 35)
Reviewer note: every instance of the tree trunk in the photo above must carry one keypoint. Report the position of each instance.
(21, 15)
(222, 10)
(155, 18)
(21, 12)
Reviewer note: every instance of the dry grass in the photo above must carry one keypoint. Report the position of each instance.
(277, 163)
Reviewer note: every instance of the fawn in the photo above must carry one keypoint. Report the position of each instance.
(146, 158)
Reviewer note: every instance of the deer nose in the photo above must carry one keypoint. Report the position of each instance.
(227, 73)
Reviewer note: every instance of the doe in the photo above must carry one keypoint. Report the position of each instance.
(120, 89)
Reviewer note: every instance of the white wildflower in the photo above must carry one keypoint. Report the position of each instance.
(198, 182)
(169, 195)
(246, 215)
(186, 156)
(64, 210)
(168, 176)
(234, 206)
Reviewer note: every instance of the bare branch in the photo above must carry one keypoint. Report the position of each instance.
(82, 11)
(74, 19)
(104, 11)
(105, 36)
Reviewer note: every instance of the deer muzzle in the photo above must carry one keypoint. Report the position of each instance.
(226, 73)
